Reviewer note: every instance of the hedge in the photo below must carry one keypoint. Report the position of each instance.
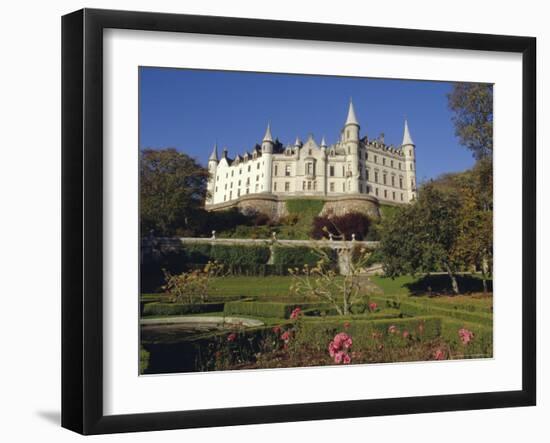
(291, 257)
(305, 206)
(325, 312)
(416, 308)
(481, 345)
(181, 308)
(318, 333)
(266, 309)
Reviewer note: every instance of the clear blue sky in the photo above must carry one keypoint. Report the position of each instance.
(192, 109)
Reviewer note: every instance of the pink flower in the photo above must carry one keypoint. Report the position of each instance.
(347, 359)
(339, 346)
(285, 336)
(373, 306)
(232, 337)
(439, 355)
(296, 313)
(338, 357)
(277, 330)
(392, 329)
(405, 334)
(466, 336)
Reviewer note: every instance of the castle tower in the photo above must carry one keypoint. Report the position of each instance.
(408, 148)
(350, 141)
(267, 155)
(212, 167)
(323, 167)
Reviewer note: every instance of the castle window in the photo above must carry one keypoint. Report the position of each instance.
(375, 159)
(393, 181)
(343, 171)
(331, 171)
(367, 189)
(230, 195)
(258, 166)
(332, 153)
(275, 186)
(347, 136)
(309, 152)
(401, 196)
(218, 178)
(385, 193)
(376, 191)
(410, 152)
(248, 181)
(412, 184)
(224, 197)
(367, 174)
(248, 168)
(384, 161)
(216, 189)
(276, 170)
(231, 185)
(240, 171)
(401, 182)
(309, 167)
(314, 186)
(247, 190)
(287, 186)
(303, 186)
(349, 150)
(375, 176)
(225, 187)
(344, 187)
(366, 155)
(399, 165)
(309, 186)
(226, 174)
(391, 163)
(287, 170)
(411, 165)
(393, 195)
(238, 192)
(256, 188)
(384, 178)
(239, 183)
(257, 178)
(331, 186)
(361, 188)
(232, 173)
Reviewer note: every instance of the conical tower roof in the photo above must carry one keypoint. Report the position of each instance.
(407, 139)
(352, 118)
(214, 155)
(323, 142)
(268, 137)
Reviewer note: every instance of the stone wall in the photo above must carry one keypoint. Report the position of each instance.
(274, 206)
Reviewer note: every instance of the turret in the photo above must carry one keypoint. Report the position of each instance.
(267, 155)
(212, 167)
(351, 145)
(408, 148)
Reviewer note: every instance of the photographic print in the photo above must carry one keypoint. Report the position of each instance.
(304, 220)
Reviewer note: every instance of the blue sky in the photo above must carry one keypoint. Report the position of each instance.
(190, 110)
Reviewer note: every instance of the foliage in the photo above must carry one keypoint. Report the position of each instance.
(192, 286)
(304, 207)
(321, 281)
(172, 191)
(416, 308)
(144, 356)
(343, 226)
(472, 104)
(422, 236)
(480, 347)
(299, 256)
(266, 309)
(157, 308)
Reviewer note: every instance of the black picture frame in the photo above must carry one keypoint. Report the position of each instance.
(82, 218)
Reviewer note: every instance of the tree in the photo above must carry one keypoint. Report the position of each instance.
(172, 190)
(345, 225)
(472, 104)
(422, 236)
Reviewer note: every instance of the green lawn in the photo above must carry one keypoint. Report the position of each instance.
(394, 286)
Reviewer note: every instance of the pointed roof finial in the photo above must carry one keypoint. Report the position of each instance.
(267, 136)
(214, 155)
(352, 118)
(298, 142)
(323, 142)
(407, 139)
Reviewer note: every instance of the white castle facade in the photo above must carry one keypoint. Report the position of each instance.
(354, 164)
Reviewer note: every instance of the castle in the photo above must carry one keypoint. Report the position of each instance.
(355, 167)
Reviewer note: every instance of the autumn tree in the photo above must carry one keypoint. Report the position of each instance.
(172, 190)
(472, 105)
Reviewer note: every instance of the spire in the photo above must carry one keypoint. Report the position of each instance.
(407, 140)
(214, 155)
(323, 142)
(267, 136)
(352, 119)
(298, 142)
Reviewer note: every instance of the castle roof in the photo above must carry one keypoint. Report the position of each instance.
(407, 139)
(352, 118)
(267, 136)
(214, 155)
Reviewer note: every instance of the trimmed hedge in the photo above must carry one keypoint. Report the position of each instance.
(267, 309)
(290, 257)
(325, 312)
(318, 333)
(416, 308)
(480, 347)
(180, 308)
(305, 206)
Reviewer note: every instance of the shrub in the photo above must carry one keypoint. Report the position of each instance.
(299, 256)
(346, 225)
(424, 308)
(239, 255)
(180, 308)
(267, 309)
(143, 359)
(480, 347)
(304, 207)
(318, 333)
